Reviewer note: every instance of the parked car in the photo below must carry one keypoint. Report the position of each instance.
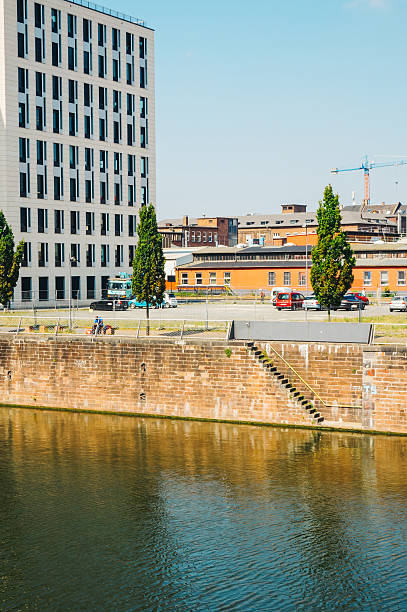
(275, 291)
(351, 302)
(289, 300)
(170, 300)
(311, 303)
(362, 297)
(398, 302)
(108, 305)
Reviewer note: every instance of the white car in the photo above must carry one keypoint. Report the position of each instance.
(170, 301)
(398, 302)
(311, 303)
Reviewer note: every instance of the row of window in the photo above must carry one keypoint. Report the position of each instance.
(224, 279)
(75, 222)
(60, 291)
(56, 54)
(384, 278)
(73, 257)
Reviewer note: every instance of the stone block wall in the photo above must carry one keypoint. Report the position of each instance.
(363, 387)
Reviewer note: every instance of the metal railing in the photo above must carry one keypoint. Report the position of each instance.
(108, 11)
(82, 323)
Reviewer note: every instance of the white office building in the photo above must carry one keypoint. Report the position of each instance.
(77, 146)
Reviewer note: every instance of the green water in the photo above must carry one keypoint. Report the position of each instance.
(115, 513)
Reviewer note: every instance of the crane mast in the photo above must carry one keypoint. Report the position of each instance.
(366, 166)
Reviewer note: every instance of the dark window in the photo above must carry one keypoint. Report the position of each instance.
(101, 38)
(38, 49)
(42, 254)
(130, 135)
(90, 288)
(142, 44)
(25, 219)
(115, 101)
(55, 54)
(104, 281)
(86, 62)
(115, 70)
(59, 287)
(101, 67)
(76, 287)
(86, 94)
(115, 39)
(74, 222)
(102, 93)
(55, 88)
(89, 223)
(37, 15)
(143, 107)
(26, 288)
(130, 192)
(117, 225)
(39, 118)
(42, 220)
(54, 21)
(116, 193)
(72, 193)
(38, 83)
(143, 137)
(72, 129)
(128, 43)
(116, 132)
(20, 45)
(40, 152)
(71, 58)
(71, 91)
(26, 254)
(20, 11)
(102, 192)
(87, 126)
(59, 221)
(88, 191)
(71, 27)
(21, 115)
(86, 30)
(21, 80)
(102, 129)
(43, 288)
(88, 159)
(129, 74)
(23, 184)
(57, 188)
(22, 147)
(142, 77)
(55, 121)
(40, 187)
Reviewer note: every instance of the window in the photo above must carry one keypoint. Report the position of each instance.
(184, 278)
(71, 26)
(55, 18)
(55, 121)
(26, 288)
(301, 279)
(26, 260)
(212, 278)
(142, 43)
(101, 66)
(21, 13)
(129, 43)
(118, 225)
(367, 278)
(59, 287)
(59, 254)
(226, 278)
(287, 278)
(76, 287)
(43, 293)
(142, 77)
(87, 126)
(401, 277)
(115, 39)
(129, 74)
(144, 167)
(42, 254)
(104, 255)
(101, 34)
(74, 222)
(90, 288)
(88, 191)
(42, 220)
(90, 223)
(71, 58)
(130, 135)
(72, 126)
(384, 278)
(37, 15)
(20, 45)
(57, 188)
(38, 49)
(87, 94)
(23, 79)
(23, 145)
(272, 278)
(102, 129)
(87, 30)
(198, 278)
(24, 186)
(116, 132)
(143, 107)
(59, 221)
(72, 189)
(116, 70)
(55, 54)
(132, 225)
(86, 62)
(143, 135)
(90, 255)
(104, 224)
(22, 115)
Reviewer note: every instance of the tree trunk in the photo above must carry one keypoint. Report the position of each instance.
(148, 317)
(329, 314)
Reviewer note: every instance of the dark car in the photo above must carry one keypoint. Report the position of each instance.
(351, 302)
(108, 305)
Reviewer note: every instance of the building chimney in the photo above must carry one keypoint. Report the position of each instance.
(185, 220)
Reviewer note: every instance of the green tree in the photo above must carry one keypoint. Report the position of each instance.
(148, 282)
(10, 261)
(332, 257)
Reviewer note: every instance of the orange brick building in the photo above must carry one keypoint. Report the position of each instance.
(378, 266)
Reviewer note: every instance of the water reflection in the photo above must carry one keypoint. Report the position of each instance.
(112, 513)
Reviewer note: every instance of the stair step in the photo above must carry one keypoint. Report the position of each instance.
(292, 389)
(316, 415)
(313, 410)
(257, 352)
(250, 344)
(283, 381)
(288, 385)
(320, 420)
(304, 401)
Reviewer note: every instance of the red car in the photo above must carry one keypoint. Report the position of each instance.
(289, 300)
(362, 298)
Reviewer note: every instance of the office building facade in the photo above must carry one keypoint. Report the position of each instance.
(77, 146)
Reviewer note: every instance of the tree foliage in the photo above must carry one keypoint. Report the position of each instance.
(10, 261)
(148, 284)
(332, 257)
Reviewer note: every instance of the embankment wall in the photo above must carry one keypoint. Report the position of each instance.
(361, 387)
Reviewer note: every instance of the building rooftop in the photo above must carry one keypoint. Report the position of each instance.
(299, 219)
(108, 11)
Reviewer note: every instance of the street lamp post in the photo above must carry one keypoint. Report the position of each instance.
(72, 260)
(306, 266)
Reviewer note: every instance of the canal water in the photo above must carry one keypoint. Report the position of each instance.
(115, 513)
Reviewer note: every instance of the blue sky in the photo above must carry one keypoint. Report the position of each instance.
(256, 102)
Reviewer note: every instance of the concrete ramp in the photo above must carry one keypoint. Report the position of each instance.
(297, 331)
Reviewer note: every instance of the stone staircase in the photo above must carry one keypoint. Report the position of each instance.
(285, 378)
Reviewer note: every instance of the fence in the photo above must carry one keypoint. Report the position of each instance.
(113, 325)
